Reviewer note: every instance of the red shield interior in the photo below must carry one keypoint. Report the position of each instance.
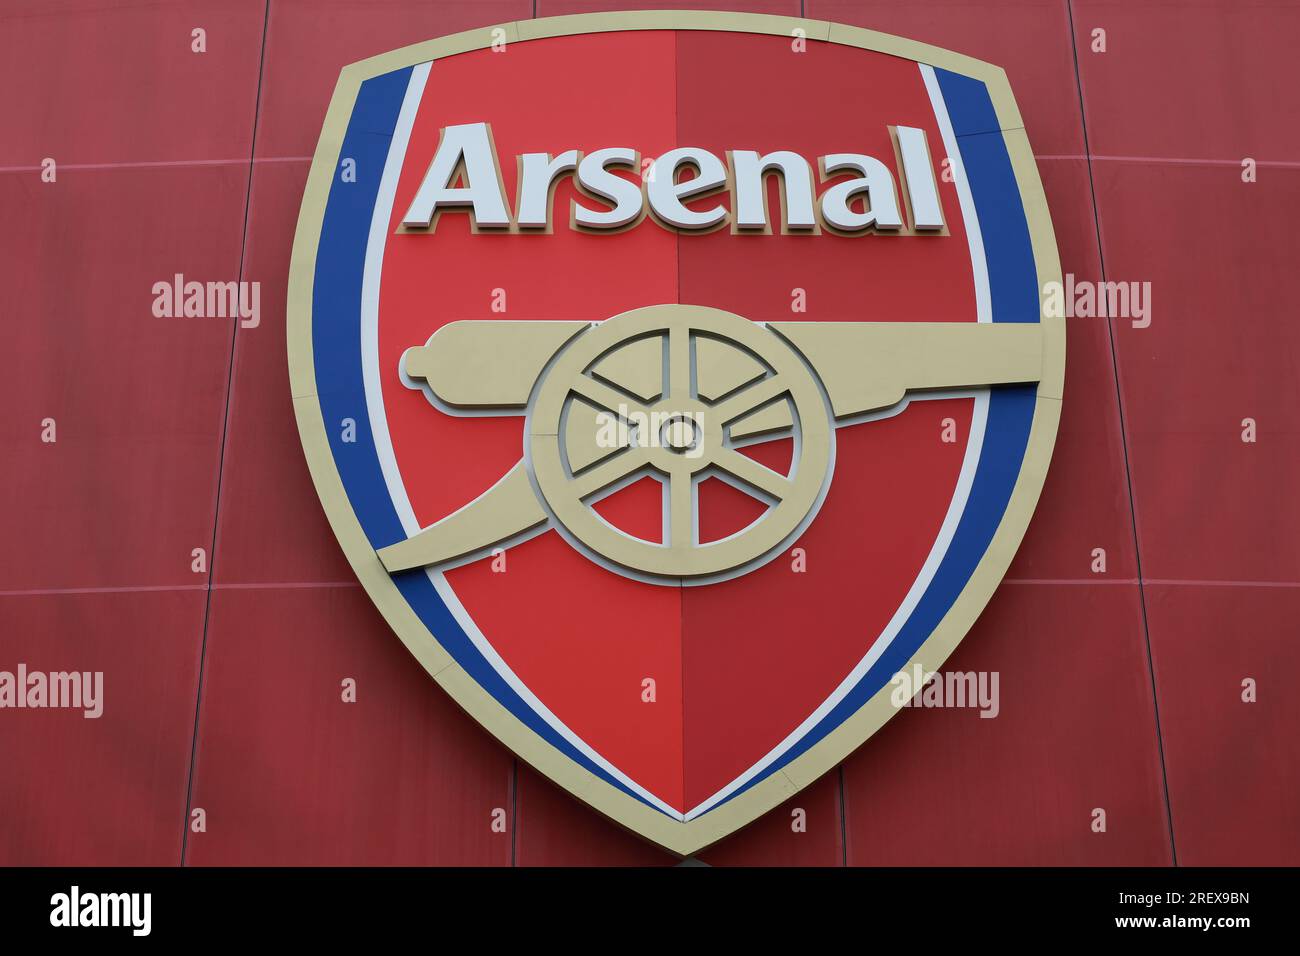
(737, 665)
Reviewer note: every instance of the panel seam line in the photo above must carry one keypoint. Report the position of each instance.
(1123, 435)
(225, 435)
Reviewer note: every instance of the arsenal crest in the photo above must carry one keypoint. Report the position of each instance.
(672, 381)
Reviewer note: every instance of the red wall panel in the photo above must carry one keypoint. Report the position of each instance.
(98, 526)
(1233, 765)
(126, 492)
(1075, 733)
(556, 830)
(309, 41)
(1217, 518)
(270, 529)
(290, 774)
(1085, 504)
(105, 791)
(1221, 348)
(806, 830)
(102, 82)
(1202, 79)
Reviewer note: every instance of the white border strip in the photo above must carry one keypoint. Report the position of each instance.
(384, 444)
(979, 264)
(370, 295)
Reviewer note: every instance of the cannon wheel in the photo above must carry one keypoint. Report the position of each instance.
(673, 402)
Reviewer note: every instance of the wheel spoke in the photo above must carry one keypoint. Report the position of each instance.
(608, 472)
(607, 397)
(749, 399)
(679, 362)
(681, 507)
(752, 473)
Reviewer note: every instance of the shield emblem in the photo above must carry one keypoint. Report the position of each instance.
(672, 381)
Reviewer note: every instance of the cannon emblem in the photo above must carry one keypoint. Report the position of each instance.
(675, 392)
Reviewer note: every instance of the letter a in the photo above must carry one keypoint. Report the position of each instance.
(467, 150)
